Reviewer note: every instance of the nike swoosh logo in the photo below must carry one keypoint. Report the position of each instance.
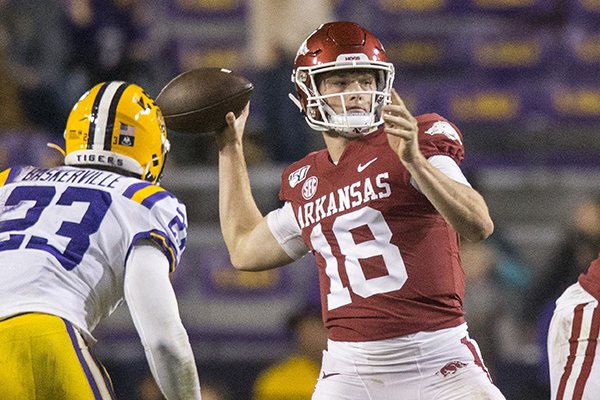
(325, 376)
(362, 167)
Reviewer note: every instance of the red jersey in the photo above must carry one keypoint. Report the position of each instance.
(388, 262)
(590, 281)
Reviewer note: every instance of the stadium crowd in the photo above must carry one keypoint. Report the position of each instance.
(490, 87)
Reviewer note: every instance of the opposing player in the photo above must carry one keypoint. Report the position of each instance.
(382, 209)
(573, 354)
(77, 239)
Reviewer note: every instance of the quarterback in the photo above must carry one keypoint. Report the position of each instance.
(573, 353)
(382, 208)
(76, 240)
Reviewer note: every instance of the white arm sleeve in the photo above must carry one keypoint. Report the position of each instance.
(448, 167)
(153, 307)
(285, 229)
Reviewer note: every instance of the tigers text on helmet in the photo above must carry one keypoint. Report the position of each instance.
(341, 47)
(117, 125)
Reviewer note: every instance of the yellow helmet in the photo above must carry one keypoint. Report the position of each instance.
(116, 124)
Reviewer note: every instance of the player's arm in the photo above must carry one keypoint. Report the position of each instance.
(462, 206)
(153, 307)
(246, 232)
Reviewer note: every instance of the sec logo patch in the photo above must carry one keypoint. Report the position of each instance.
(310, 187)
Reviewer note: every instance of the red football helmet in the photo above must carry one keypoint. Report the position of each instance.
(338, 46)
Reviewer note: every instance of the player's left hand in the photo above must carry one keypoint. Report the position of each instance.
(401, 129)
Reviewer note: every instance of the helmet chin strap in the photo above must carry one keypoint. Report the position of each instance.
(349, 124)
(353, 120)
(57, 148)
(146, 175)
(355, 132)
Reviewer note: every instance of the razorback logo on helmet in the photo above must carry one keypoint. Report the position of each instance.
(303, 50)
(298, 176)
(444, 128)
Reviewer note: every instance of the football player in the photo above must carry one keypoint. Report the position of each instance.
(77, 239)
(573, 354)
(381, 208)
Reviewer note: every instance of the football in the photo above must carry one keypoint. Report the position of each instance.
(197, 101)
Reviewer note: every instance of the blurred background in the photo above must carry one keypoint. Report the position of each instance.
(519, 78)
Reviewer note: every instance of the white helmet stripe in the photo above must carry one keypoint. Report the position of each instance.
(103, 114)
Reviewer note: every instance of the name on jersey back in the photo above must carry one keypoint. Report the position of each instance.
(81, 176)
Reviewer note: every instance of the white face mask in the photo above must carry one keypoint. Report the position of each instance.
(321, 117)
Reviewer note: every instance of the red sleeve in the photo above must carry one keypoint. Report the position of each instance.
(438, 136)
(284, 194)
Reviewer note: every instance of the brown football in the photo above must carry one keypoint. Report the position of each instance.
(197, 101)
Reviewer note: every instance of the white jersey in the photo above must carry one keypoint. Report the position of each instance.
(66, 233)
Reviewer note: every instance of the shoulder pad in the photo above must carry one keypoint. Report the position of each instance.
(146, 193)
